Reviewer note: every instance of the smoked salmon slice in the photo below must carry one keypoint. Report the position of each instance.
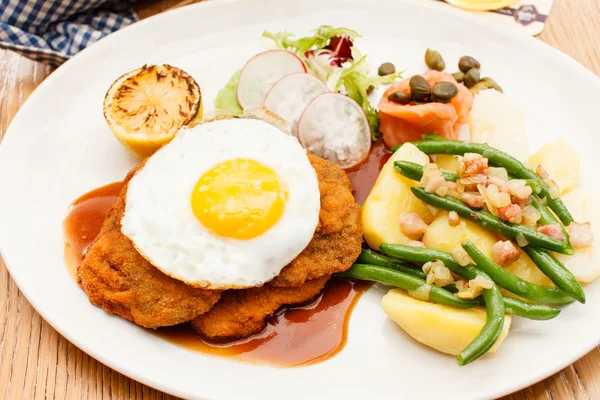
(405, 123)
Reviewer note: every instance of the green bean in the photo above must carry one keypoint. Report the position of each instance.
(493, 298)
(539, 312)
(523, 309)
(491, 222)
(427, 136)
(433, 137)
(399, 279)
(514, 284)
(422, 255)
(557, 272)
(414, 171)
(430, 145)
(373, 258)
(487, 337)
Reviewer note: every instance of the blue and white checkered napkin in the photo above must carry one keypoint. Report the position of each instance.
(52, 31)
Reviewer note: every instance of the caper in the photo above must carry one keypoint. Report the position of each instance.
(478, 87)
(459, 76)
(434, 60)
(400, 97)
(492, 84)
(386, 68)
(467, 62)
(418, 103)
(443, 91)
(419, 88)
(472, 77)
(370, 89)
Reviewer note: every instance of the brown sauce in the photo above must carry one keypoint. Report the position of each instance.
(295, 336)
(364, 175)
(84, 221)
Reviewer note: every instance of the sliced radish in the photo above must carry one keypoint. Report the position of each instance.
(335, 127)
(291, 94)
(261, 72)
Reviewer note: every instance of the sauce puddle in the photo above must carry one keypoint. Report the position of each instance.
(294, 336)
(84, 221)
(364, 175)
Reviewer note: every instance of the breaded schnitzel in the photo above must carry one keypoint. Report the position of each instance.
(119, 280)
(241, 313)
(337, 241)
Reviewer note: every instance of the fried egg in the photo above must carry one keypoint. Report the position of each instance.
(226, 204)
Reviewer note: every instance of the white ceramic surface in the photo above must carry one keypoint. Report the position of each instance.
(59, 147)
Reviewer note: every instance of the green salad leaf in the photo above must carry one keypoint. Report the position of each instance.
(321, 38)
(227, 98)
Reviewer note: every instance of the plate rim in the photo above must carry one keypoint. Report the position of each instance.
(47, 315)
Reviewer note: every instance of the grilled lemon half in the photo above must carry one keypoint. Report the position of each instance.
(146, 107)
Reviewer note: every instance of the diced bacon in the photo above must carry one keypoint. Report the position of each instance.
(552, 230)
(471, 182)
(501, 183)
(511, 213)
(580, 234)
(474, 164)
(504, 253)
(473, 200)
(453, 218)
(415, 243)
(435, 183)
(412, 225)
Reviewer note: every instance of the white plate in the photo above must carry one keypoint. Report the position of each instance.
(59, 147)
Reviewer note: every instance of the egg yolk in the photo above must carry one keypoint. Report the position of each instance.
(239, 199)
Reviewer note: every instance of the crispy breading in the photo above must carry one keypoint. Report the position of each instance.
(119, 280)
(337, 241)
(241, 313)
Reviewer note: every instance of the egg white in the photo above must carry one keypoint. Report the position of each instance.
(162, 226)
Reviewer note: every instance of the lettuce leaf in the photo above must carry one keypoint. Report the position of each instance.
(227, 98)
(320, 39)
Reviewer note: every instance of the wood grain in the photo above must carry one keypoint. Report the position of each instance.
(36, 362)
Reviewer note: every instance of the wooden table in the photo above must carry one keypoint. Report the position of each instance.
(37, 362)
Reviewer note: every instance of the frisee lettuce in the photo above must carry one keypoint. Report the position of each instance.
(319, 40)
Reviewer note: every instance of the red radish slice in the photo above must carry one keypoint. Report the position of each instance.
(261, 72)
(335, 127)
(291, 94)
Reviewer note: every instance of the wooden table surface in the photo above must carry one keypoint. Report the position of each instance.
(37, 362)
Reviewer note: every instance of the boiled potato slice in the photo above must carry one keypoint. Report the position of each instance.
(440, 327)
(498, 122)
(440, 235)
(390, 198)
(448, 163)
(561, 161)
(585, 263)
